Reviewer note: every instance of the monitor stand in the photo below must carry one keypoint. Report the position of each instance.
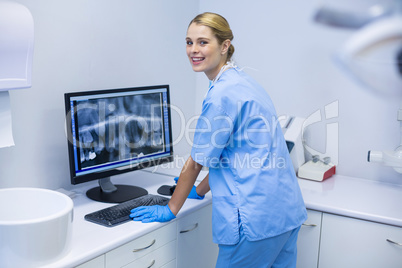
(107, 192)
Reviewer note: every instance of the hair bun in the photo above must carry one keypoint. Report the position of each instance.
(231, 51)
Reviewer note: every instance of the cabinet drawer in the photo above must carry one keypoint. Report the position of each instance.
(194, 240)
(141, 246)
(347, 242)
(157, 258)
(98, 262)
(308, 242)
(171, 264)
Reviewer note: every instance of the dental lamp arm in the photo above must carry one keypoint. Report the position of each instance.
(349, 19)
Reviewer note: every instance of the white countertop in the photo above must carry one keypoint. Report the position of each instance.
(91, 240)
(352, 197)
(357, 198)
(347, 196)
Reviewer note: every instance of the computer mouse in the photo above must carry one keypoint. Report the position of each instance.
(172, 189)
(166, 190)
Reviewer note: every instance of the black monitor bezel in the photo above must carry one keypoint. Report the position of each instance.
(116, 171)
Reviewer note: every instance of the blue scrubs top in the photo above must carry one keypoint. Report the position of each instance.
(251, 175)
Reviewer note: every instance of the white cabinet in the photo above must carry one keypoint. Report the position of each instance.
(325, 241)
(171, 264)
(98, 262)
(331, 241)
(157, 258)
(308, 242)
(186, 242)
(194, 240)
(154, 249)
(347, 242)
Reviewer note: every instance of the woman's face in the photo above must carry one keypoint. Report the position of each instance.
(203, 50)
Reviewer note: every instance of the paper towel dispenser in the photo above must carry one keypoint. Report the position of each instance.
(16, 46)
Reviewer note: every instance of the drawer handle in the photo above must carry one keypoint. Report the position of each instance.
(152, 264)
(139, 249)
(393, 242)
(189, 230)
(309, 224)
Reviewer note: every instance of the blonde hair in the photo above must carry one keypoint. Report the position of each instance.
(219, 26)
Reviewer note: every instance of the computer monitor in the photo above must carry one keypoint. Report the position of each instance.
(114, 131)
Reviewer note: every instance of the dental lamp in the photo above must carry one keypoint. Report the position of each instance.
(344, 18)
(373, 58)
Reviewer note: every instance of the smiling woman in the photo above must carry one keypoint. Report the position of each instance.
(209, 43)
(257, 206)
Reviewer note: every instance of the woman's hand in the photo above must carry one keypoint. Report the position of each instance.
(193, 194)
(152, 214)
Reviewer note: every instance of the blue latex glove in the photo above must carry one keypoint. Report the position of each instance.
(152, 214)
(193, 194)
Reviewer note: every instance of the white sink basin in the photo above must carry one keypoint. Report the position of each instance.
(35, 226)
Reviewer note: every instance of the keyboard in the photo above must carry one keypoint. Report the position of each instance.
(120, 213)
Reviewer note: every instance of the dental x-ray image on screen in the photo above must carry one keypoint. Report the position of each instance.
(120, 128)
(114, 131)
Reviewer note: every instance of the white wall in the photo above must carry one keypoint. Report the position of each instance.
(95, 44)
(290, 57)
(88, 45)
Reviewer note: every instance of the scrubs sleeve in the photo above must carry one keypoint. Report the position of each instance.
(211, 136)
